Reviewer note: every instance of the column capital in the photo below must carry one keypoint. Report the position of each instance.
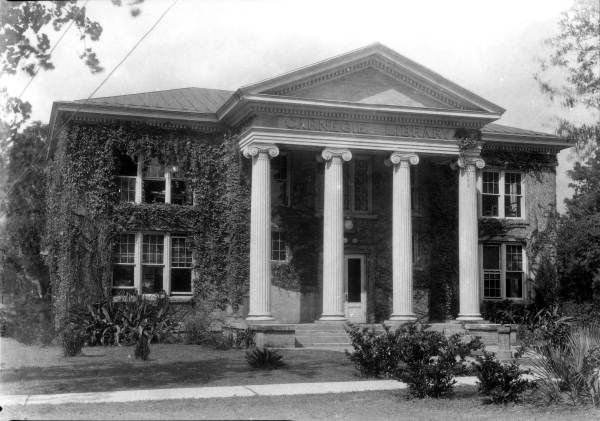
(256, 149)
(468, 162)
(329, 154)
(402, 159)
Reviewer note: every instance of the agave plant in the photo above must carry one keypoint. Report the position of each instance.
(264, 358)
(571, 369)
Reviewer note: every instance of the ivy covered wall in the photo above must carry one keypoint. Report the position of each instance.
(84, 214)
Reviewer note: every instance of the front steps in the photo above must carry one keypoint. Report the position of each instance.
(321, 335)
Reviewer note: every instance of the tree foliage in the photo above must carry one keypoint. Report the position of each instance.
(24, 208)
(26, 45)
(576, 55)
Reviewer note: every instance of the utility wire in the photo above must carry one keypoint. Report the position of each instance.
(51, 51)
(26, 170)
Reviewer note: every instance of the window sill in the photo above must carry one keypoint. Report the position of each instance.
(509, 221)
(152, 297)
(353, 215)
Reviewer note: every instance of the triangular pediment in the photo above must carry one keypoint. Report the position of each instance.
(374, 75)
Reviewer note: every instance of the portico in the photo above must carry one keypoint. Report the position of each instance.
(375, 103)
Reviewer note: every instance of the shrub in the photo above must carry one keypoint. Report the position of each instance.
(502, 382)
(264, 358)
(370, 353)
(505, 312)
(426, 360)
(547, 326)
(142, 346)
(29, 319)
(570, 370)
(117, 322)
(73, 340)
(431, 361)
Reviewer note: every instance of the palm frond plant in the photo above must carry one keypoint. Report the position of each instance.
(571, 370)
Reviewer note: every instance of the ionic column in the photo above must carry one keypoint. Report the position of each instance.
(260, 231)
(402, 267)
(333, 235)
(468, 247)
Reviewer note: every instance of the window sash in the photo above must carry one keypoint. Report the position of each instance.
(503, 198)
(278, 247)
(507, 280)
(358, 186)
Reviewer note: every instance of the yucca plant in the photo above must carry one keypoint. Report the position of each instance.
(264, 358)
(571, 369)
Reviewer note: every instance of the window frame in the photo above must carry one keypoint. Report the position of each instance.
(503, 271)
(285, 246)
(166, 265)
(288, 173)
(167, 177)
(349, 176)
(501, 194)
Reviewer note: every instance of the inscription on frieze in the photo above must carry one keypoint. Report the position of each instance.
(355, 127)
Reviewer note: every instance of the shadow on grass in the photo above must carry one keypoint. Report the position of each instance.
(134, 374)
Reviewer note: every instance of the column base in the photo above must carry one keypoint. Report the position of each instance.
(333, 318)
(396, 319)
(469, 318)
(263, 318)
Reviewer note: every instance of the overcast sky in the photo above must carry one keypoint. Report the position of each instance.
(488, 47)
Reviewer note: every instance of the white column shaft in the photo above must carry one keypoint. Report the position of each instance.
(468, 247)
(402, 265)
(260, 232)
(333, 235)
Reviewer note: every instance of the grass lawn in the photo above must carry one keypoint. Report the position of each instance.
(465, 405)
(44, 370)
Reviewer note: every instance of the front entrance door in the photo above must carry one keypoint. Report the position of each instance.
(355, 288)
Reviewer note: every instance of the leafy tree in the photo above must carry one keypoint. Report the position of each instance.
(25, 45)
(25, 212)
(576, 56)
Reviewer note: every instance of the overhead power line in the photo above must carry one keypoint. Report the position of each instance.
(27, 169)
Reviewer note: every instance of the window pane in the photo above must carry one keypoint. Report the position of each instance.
(123, 275)
(278, 247)
(512, 183)
(154, 191)
(347, 174)
(124, 251)
(152, 249)
(181, 280)
(361, 185)
(514, 284)
(512, 206)
(491, 257)
(126, 166)
(181, 252)
(489, 205)
(152, 279)
(153, 169)
(126, 189)
(354, 280)
(490, 182)
(514, 258)
(179, 193)
(491, 284)
(279, 174)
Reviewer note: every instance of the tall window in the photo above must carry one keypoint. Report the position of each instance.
(278, 247)
(181, 265)
(152, 263)
(503, 271)
(148, 263)
(151, 182)
(154, 182)
(126, 181)
(357, 185)
(502, 194)
(180, 193)
(280, 177)
(124, 263)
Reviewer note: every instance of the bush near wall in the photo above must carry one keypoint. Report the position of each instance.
(84, 215)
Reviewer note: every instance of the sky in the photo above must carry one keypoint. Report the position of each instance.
(489, 47)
